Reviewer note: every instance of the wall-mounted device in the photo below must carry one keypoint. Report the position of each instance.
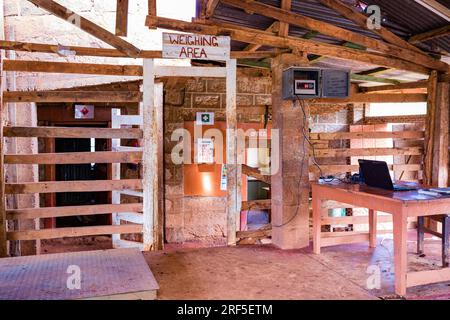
(308, 83)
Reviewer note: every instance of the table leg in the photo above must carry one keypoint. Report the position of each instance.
(420, 234)
(317, 223)
(445, 241)
(372, 228)
(400, 251)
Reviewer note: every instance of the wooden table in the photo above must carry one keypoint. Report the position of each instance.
(401, 205)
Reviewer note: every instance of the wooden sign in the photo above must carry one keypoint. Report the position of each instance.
(195, 46)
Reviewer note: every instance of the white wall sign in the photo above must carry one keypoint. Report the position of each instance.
(205, 150)
(195, 46)
(84, 111)
(205, 118)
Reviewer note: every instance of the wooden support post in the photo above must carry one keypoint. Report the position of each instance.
(50, 175)
(430, 127)
(150, 161)
(122, 18)
(3, 242)
(290, 184)
(159, 212)
(233, 169)
(441, 130)
(373, 228)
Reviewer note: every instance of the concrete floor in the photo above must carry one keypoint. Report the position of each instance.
(264, 272)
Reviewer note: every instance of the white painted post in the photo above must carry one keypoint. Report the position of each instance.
(115, 197)
(234, 170)
(149, 159)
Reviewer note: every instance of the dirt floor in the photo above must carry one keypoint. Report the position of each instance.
(264, 272)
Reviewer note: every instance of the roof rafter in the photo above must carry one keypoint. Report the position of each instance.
(297, 44)
(361, 20)
(87, 26)
(436, 8)
(339, 33)
(432, 34)
(211, 5)
(122, 18)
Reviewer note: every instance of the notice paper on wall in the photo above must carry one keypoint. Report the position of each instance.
(223, 178)
(205, 150)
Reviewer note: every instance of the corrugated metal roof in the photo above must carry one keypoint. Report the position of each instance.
(403, 17)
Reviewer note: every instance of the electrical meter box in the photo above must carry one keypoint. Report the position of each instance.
(309, 83)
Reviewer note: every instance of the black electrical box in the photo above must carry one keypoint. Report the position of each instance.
(308, 83)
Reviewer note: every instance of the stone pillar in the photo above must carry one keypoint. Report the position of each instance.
(290, 184)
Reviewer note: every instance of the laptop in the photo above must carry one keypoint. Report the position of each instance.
(376, 174)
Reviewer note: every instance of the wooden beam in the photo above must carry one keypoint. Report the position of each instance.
(75, 158)
(333, 169)
(255, 173)
(430, 127)
(284, 27)
(430, 35)
(73, 186)
(3, 114)
(339, 33)
(53, 212)
(272, 28)
(256, 205)
(368, 135)
(122, 18)
(71, 67)
(301, 45)
(361, 20)
(73, 232)
(72, 132)
(255, 234)
(400, 86)
(377, 98)
(211, 6)
(369, 78)
(104, 52)
(72, 96)
(368, 152)
(87, 26)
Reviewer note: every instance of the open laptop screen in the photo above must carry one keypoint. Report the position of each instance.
(376, 174)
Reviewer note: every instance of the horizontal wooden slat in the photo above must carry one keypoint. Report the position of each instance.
(60, 132)
(332, 169)
(73, 232)
(334, 241)
(71, 67)
(255, 173)
(355, 220)
(53, 212)
(176, 71)
(75, 158)
(367, 152)
(263, 232)
(72, 186)
(377, 98)
(394, 119)
(72, 96)
(368, 135)
(256, 204)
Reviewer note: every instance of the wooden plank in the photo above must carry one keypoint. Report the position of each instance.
(354, 219)
(87, 26)
(361, 19)
(431, 34)
(52, 212)
(72, 96)
(333, 169)
(377, 98)
(72, 186)
(329, 29)
(334, 241)
(394, 119)
(369, 78)
(122, 18)
(72, 67)
(401, 86)
(272, 28)
(106, 52)
(249, 35)
(175, 71)
(72, 132)
(255, 234)
(74, 158)
(234, 173)
(420, 278)
(367, 152)
(160, 213)
(368, 135)
(255, 173)
(256, 205)
(284, 27)
(73, 232)
(436, 7)
(430, 128)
